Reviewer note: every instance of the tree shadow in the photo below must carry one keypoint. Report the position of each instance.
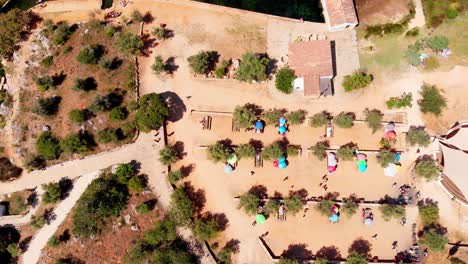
(151, 203)
(297, 251)
(115, 98)
(65, 185)
(277, 195)
(24, 244)
(187, 169)
(58, 78)
(331, 195)
(148, 18)
(361, 246)
(65, 236)
(257, 144)
(176, 106)
(329, 253)
(198, 197)
(136, 165)
(170, 66)
(303, 193)
(221, 219)
(272, 66)
(233, 245)
(148, 43)
(179, 148)
(454, 249)
(255, 108)
(33, 199)
(259, 190)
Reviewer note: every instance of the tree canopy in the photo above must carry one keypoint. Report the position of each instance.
(48, 145)
(152, 111)
(284, 80)
(432, 100)
(13, 25)
(129, 43)
(253, 67)
(244, 115)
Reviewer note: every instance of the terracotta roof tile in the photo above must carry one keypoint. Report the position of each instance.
(340, 12)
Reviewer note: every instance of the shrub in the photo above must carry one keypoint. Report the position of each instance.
(431, 63)
(356, 258)
(399, 102)
(294, 204)
(284, 80)
(52, 193)
(350, 206)
(221, 70)
(47, 145)
(77, 116)
(168, 155)
(428, 211)
(432, 100)
(44, 83)
(206, 229)
(37, 222)
(136, 16)
(455, 260)
(136, 184)
(129, 43)
(245, 116)
(67, 49)
(451, 12)
(100, 103)
(252, 67)
(35, 162)
(296, 117)
(75, 143)
(62, 33)
(437, 43)
(319, 119)
(412, 32)
(202, 62)
(90, 54)
(319, 149)
(13, 249)
(158, 66)
(110, 30)
(271, 207)
(108, 198)
(159, 33)
(324, 206)
(119, 113)
(412, 54)
(374, 119)
(175, 176)
(293, 151)
(417, 136)
(109, 64)
(181, 208)
(434, 239)
(390, 211)
(385, 157)
(13, 24)
(124, 172)
(142, 208)
(346, 152)
(245, 151)
(344, 120)
(163, 232)
(47, 61)
(53, 242)
(290, 261)
(224, 256)
(218, 152)
(107, 135)
(249, 202)
(152, 111)
(273, 151)
(427, 168)
(272, 116)
(86, 85)
(8, 170)
(357, 80)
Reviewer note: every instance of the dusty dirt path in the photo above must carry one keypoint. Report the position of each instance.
(418, 20)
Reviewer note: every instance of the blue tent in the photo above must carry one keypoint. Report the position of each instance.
(282, 165)
(259, 125)
(282, 121)
(334, 218)
(282, 129)
(282, 159)
(228, 168)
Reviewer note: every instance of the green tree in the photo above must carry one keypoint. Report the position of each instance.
(118, 113)
(159, 33)
(54, 242)
(428, 211)
(319, 149)
(181, 208)
(374, 119)
(90, 54)
(356, 258)
(86, 84)
(44, 83)
(142, 208)
(405, 100)
(152, 111)
(173, 255)
(357, 80)
(284, 80)
(35, 162)
(390, 211)
(52, 193)
(48, 145)
(253, 67)
(75, 143)
(385, 157)
(320, 119)
(13, 25)
(136, 16)
(47, 106)
(221, 70)
(107, 135)
(37, 221)
(245, 151)
(129, 43)
(294, 204)
(434, 239)
(100, 104)
(346, 152)
(61, 34)
(350, 206)
(224, 256)
(417, 136)
(273, 151)
(163, 232)
(325, 206)
(202, 62)
(244, 115)
(47, 61)
(13, 250)
(344, 120)
(272, 116)
(136, 184)
(175, 176)
(77, 116)
(437, 43)
(168, 155)
(249, 202)
(296, 117)
(412, 54)
(124, 172)
(206, 229)
(218, 152)
(289, 261)
(158, 66)
(432, 100)
(427, 168)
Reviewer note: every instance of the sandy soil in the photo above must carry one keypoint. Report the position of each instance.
(380, 11)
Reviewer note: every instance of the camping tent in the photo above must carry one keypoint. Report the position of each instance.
(391, 169)
(228, 168)
(260, 219)
(259, 125)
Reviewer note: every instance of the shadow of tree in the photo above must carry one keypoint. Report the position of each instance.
(148, 43)
(233, 245)
(328, 253)
(297, 251)
(361, 246)
(198, 197)
(219, 218)
(187, 169)
(259, 190)
(170, 65)
(175, 104)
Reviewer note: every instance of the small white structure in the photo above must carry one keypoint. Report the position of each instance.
(339, 14)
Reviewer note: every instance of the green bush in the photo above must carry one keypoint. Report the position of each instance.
(249, 203)
(124, 172)
(350, 206)
(357, 80)
(86, 84)
(272, 116)
(320, 119)
(47, 145)
(44, 83)
(245, 151)
(405, 100)
(136, 16)
(109, 64)
(271, 207)
(434, 239)
(451, 13)
(294, 204)
(412, 32)
(53, 242)
(37, 222)
(108, 198)
(181, 208)
(14, 25)
(168, 155)
(296, 117)
(35, 162)
(417, 136)
(245, 116)
(346, 152)
(428, 211)
(175, 176)
(221, 70)
(13, 249)
(224, 256)
(159, 33)
(437, 43)
(390, 211)
(107, 135)
(431, 63)
(325, 206)
(142, 208)
(284, 80)
(319, 149)
(218, 152)
(202, 62)
(432, 100)
(163, 232)
(118, 113)
(206, 229)
(374, 119)
(75, 143)
(52, 193)
(62, 33)
(273, 151)
(356, 258)
(129, 43)
(90, 54)
(293, 151)
(136, 184)
(100, 104)
(67, 49)
(252, 67)
(344, 120)
(77, 116)
(47, 61)
(455, 260)
(158, 66)
(110, 30)
(385, 157)
(427, 168)
(151, 113)
(412, 54)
